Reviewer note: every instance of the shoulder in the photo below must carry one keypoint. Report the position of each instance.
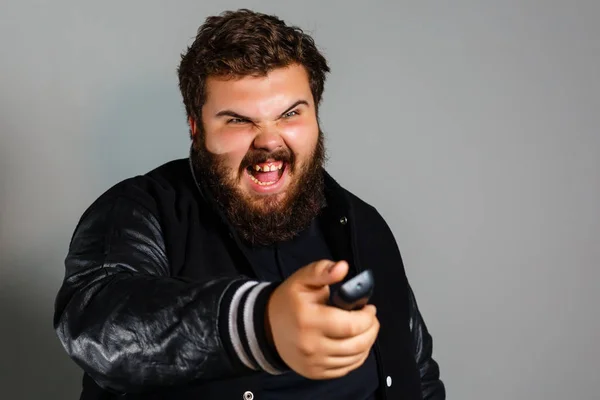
(374, 238)
(150, 189)
(364, 213)
(367, 215)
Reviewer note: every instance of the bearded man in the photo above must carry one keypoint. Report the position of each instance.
(210, 277)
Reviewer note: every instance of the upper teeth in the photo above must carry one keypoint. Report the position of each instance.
(268, 168)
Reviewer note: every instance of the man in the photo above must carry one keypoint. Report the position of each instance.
(209, 277)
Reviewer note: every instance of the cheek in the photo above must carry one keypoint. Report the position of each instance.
(231, 145)
(301, 138)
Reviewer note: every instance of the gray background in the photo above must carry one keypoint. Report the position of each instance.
(471, 125)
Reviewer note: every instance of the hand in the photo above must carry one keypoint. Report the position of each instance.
(314, 339)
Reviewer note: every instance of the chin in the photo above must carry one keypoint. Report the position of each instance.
(265, 203)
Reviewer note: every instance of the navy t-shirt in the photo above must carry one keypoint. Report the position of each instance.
(277, 262)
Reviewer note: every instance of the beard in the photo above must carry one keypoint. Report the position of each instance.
(267, 219)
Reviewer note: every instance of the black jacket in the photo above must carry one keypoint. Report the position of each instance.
(154, 274)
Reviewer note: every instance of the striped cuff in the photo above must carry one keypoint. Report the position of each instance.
(242, 323)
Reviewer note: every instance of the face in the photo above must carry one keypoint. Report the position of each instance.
(261, 150)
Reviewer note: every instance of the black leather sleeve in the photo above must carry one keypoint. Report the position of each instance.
(123, 319)
(433, 388)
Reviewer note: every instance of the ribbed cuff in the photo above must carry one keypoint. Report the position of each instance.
(269, 350)
(242, 326)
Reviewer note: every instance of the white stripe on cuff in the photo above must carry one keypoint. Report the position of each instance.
(233, 324)
(251, 332)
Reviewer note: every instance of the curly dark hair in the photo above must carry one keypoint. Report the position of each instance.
(242, 43)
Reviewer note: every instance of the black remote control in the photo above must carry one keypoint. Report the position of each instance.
(355, 293)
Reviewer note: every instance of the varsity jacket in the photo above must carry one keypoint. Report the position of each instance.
(159, 300)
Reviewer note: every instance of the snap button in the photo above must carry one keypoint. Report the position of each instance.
(388, 381)
(343, 220)
(248, 395)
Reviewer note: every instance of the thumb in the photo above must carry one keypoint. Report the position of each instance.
(324, 273)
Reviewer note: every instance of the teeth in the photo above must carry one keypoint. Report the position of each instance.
(261, 183)
(268, 168)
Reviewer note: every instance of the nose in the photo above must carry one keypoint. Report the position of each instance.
(268, 139)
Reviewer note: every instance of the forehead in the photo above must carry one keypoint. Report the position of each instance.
(259, 94)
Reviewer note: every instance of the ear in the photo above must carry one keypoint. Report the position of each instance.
(193, 127)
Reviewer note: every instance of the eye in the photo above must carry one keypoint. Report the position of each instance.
(290, 114)
(236, 121)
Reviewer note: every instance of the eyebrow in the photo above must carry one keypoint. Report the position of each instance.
(233, 114)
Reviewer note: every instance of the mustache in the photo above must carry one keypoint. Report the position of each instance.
(261, 156)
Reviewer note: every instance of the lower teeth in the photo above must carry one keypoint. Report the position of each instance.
(260, 182)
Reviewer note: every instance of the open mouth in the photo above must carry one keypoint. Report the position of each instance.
(266, 174)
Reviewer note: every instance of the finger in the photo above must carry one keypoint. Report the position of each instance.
(335, 323)
(331, 373)
(352, 366)
(341, 362)
(321, 273)
(352, 346)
